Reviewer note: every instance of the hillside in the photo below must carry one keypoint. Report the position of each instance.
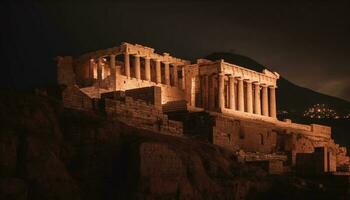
(48, 152)
(295, 99)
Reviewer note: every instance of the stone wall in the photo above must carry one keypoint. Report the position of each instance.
(238, 134)
(168, 93)
(270, 166)
(320, 161)
(151, 95)
(138, 113)
(73, 97)
(235, 133)
(173, 106)
(82, 71)
(65, 73)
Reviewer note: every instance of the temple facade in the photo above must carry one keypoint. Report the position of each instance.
(159, 92)
(211, 85)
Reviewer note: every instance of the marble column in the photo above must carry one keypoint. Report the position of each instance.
(212, 92)
(206, 91)
(257, 103)
(193, 91)
(265, 107)
(232, 92)
(176, 79)
(92, 65)
(249, 97)
(99, 70)
(127, 64)
(183, 77)
(240, 95)
(167, 73)
(137, 67)
(113, 71)
(272, 94)
(221, 96)
(158, 72)
(147, 68)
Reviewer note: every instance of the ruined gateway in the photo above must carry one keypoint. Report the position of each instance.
(227, 105)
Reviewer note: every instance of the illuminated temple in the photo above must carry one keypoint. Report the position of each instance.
(227, 105)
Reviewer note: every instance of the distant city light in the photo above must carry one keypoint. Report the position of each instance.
(321, 111)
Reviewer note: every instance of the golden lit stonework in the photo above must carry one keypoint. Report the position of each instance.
(232, 106)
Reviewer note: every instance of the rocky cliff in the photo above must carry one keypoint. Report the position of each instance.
(47, 152)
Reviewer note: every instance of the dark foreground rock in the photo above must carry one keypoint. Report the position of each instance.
(47, 152)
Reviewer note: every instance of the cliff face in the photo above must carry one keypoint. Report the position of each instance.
(48, 152)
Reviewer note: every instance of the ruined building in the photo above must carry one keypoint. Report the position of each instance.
(228, 105)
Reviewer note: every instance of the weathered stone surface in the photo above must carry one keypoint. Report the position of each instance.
(71, 154)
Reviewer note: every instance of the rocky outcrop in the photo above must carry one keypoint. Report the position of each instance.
(48, 152)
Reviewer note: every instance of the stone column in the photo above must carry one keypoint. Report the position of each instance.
(265, 107)
(183, 77)
(137, 67)
(257, 106)
(127, 64)
(221, 96)
(113, 71)
(240, 95)
(193, 91)
(232, 96)
(272, 94)
(92, 64)
(148, 68)
(167, 73)
(249, 97)
(211, 93)
(158, 72)
(206, 91)
(99, 70)
(176, 79)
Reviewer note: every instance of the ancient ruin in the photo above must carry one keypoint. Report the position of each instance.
(228, 105)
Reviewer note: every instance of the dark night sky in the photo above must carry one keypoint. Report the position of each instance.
(306, 42)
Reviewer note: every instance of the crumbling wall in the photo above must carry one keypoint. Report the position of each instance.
(138, 113)
(321, 160)
(65, 72)
(237, 134)
(73, 97)
(270, 166)
(168, 93)
(151, 95)
(82, 71)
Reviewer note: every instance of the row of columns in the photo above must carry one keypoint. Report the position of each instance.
(264, 104)
(137, 68)
(148, 70)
